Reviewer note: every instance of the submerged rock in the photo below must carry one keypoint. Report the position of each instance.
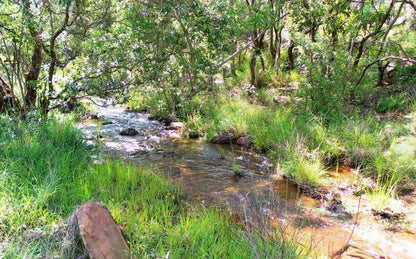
(337, 208)
(175, 125)
(245, 141)
(174, 136)
(90, 116)
(129, 132)
(163, 119)
(107, 123)
(193, 135)
(228, 137)
(388, 214)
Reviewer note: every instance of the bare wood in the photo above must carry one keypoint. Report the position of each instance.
(411, 3)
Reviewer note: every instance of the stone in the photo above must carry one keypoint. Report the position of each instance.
(194, 135)
(388, 214)
(175, 125)
(174, 136)
(245, 141)
(107, 123)
(90, 116)
(163, 119)
(69, 106)
(129, 132)
(227, 137)
(153, 118)
(101, 236)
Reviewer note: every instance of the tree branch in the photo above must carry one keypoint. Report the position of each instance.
(251, 42)
(411, 3)
(223, 62)
(411, 60)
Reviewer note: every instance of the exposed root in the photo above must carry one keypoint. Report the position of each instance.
(388, 214)
(315, 193)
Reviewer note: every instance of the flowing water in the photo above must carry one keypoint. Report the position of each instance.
(206, 172)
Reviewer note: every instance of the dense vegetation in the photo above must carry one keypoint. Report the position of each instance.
(315, 83)
(63, 50)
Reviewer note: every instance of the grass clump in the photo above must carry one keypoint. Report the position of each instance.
(306, 171)
(40, 161)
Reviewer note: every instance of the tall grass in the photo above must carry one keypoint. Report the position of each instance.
(45, 172)
(280, 130)
(39, 163)
(306, 171)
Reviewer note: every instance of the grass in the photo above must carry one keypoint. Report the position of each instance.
(46, 172)
(306, 171)
(353, 139)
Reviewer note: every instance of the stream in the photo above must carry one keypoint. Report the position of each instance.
(205, 172)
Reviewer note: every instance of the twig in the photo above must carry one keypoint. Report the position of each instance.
(78, 97)
(347, 245)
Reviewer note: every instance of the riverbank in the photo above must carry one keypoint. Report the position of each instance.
(47, 171)
(308, 147)
(256, 192)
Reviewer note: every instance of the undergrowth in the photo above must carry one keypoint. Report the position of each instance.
(353, 139)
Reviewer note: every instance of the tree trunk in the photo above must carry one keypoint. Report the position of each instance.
(273, 43)
(233, 64)
(258, 41)
(291, 56)
(32, 76)
(278, 41)
(7, 97)
(52, 66)
(253, 68)
(381, 71)
(375, 32)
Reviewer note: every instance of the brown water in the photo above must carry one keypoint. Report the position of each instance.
(206, 172)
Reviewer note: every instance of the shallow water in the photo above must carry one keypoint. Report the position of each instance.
(206, 173)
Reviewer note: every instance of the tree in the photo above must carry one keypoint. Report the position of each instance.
(179, 44)
(35, 38)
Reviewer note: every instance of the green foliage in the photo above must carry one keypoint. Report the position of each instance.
(406, 74)
(384, 194)
(354, 140)
(330, 87)
(182, 43)
(392, 103)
